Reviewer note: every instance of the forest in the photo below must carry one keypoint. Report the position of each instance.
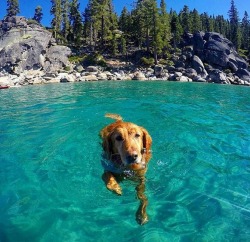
(147, 27)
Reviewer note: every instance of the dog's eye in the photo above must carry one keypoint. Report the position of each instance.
(119, 138)
(137, 135)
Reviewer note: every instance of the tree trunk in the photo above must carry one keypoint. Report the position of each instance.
(147, 40)
(102, 32)
(91, 35)
(155, 55)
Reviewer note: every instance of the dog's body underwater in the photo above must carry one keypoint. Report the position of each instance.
(127, 151)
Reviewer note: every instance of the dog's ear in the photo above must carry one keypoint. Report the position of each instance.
(105, 134)
(147, 142)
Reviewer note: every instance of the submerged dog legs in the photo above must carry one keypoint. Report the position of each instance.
(111, 182)
(141, 215)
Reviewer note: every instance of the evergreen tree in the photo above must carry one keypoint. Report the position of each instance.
(92, 22)
(176, 28)
(65, 20)
(196, 21)
(212, 22)
(114, 45)
(185, 19)
(206, 23)
(88, 26)
(125, 21)
(12, 8)
(165, 25)
(113, 20)
(56, 10)
(101, 22)
(38, 14)
(245, 27)
(220, 25)
(123, 46)
(75, 22)
(227, 29)
(148, 21)
(146, 15)
(137, 27)
(156, 30)
(234, 25)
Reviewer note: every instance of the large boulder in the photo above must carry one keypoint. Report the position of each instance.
(218, 76)
(191, 73)
(221, 52)
(20, 56)
(243, 74)
(26, 46)
(57, 57)
(198, 43)
(158, 71)
(214, 50)
(139, 76)
(199, 67)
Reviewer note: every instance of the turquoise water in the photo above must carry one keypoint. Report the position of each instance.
(198, 182)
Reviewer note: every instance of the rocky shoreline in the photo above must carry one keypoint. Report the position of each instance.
(95, 73)
(30, 56)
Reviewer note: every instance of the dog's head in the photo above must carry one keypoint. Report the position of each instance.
(128, 142)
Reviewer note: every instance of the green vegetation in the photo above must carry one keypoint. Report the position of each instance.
(38, 14)
(76, 59)
(91, 59)
(27, 36)
(12, 8)
(95, 59)
(32, 21)
(67, 68)
(147, 61)
(148, 27)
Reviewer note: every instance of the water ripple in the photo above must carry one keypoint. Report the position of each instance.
(50, 162)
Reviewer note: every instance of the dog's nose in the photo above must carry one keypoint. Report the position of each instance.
(131, 158)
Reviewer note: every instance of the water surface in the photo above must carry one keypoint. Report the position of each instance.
(198, 182)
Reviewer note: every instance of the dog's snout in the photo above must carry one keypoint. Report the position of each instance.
(131, 158)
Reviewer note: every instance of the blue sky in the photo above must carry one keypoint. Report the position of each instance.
(216, 7)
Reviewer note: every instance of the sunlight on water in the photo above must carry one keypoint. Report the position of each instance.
(198, 181)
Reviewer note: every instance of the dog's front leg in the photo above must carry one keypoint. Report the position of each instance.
(111, 182)
(141, 215)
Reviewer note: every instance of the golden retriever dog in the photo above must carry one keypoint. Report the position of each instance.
(127, 151)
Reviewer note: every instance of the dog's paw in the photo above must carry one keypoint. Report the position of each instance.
(115, 188)
(141, 218)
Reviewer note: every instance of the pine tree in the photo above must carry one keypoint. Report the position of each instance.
(125, 21)
(114, 45)
(165, 25)
(56, 23)
(92, 23)
(148, 25)
(38, 14)
(196, 21)
(234, 25)
(75, 22)
(112, 27)
(88, 26)
(65, 20)
(185, 19)
(156, 32)
(212, 22)
(12, 8)
(101, 23)
(123, 46)
(137, 26)
(220, 25)
(176, 28)
(245, 27)
(206, 22)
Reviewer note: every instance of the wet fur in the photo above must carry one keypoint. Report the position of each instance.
(136, 143)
